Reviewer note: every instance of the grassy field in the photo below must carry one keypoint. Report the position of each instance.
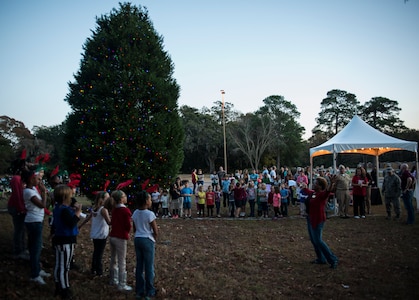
(245, 259)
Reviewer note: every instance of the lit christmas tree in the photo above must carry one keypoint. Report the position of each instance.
(124, 123)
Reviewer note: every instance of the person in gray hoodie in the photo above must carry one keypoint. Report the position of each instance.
(392, 190)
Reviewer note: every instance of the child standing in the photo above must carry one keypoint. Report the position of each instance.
(155, 199)
(239, 196)
(263, 199)
(251, 197)
(276, 201)
(186, 192)
(65, 237)
(99, 231)
(231, 201)
(121, 226)
(284, 200)
(145, 228)
(164, 199)
(200, 175)
(214, 179)
(226, 189)
(210, 200)
(200, 195)
(303, 197)
(218, 194)
(175, 195)
(35, 202)
(271, 193)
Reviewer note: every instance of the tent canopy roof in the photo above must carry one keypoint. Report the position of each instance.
(359, 137)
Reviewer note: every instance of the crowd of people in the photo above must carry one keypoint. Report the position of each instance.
(265, 194)
(30, 202)
(270, 192)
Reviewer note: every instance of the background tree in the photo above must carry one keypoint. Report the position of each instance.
(336, 111)
(252, 135)
(17, 134)
(230, 114)
(382, 114)
(53, 138)
(286, 140)
(124, 122)
(7, 155)
(203, 139)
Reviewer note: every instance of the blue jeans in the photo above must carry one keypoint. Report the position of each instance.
(252, 207)
(322, 250)
(144, 251)
(19, 230)
(407, 201)
(34, 230)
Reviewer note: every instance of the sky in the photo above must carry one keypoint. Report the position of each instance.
(250, 49)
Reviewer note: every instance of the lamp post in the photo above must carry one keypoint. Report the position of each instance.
(224, 132)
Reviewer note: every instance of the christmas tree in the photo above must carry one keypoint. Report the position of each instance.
(124, 123)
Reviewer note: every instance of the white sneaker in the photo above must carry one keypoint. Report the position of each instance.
(124, 288)
(38, 280)
(363, 217)
(42, 273)
(356, 217)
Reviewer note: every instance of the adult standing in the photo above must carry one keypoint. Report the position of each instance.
(416, 190)
(272, 174)
(16, 208)
(368, 196)
(221, 174)
(316, 218)
(392, 190)
(374, 177)
(359, 192)
(407, 184)
(342, 191)
(194, 179)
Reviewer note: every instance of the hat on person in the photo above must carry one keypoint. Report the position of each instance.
(389, 169)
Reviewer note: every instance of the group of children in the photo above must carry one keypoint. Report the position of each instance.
(109, 218)
(110, 210)
(234, 195)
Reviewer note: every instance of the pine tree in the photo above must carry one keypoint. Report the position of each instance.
(124, 122)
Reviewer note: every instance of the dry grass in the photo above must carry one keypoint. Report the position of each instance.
(246, 259)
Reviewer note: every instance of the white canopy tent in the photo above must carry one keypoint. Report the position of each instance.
(360, 138)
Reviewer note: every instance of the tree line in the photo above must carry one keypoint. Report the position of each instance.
(125, 122)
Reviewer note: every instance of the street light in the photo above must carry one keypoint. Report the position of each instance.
(224, 132)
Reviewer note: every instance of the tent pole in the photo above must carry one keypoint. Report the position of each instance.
(334, 161)
(311, 168)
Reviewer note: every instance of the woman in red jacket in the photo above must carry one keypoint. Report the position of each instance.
(315, 205)
(359, 191)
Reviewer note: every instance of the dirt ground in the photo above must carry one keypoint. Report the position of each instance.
(244, 259)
